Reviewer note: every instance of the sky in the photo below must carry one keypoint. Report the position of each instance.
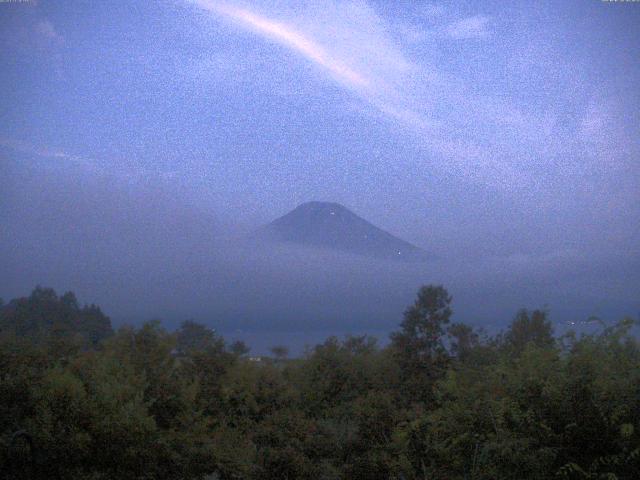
(503, 137)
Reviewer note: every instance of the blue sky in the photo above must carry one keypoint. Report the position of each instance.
(504, 130)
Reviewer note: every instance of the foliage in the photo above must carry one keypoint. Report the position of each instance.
(441, 401)
(44, 316)
(419, 345)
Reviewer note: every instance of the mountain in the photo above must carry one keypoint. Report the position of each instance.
(333, 226)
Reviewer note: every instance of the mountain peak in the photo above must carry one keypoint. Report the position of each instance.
(333, 226)
(317, 206)
(320, 204)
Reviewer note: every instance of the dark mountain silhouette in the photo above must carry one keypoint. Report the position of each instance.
(333, 226)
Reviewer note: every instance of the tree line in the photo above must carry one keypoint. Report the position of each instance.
(441, 401)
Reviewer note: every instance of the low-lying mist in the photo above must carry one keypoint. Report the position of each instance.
(142, 252)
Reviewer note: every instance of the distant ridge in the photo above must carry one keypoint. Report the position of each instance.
(332, 226)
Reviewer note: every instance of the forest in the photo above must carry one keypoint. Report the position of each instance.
(440, 400)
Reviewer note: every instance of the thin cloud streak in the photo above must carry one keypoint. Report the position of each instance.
(46, 29)
(382, 80)
(289, 37)
(86, 164)
(378, 77)
(485, 138)
(471, 27)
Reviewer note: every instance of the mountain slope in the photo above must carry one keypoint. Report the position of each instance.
(333, 226)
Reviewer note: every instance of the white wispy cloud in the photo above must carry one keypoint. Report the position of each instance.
(288, 36)
(604, 141)
(83, 163)
(23, 147)
(470, 27)
(346, 41)
(596, 123)
(480, 136)
(352, 44)
(47, 31)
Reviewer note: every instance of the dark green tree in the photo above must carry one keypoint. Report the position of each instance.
(463, 340)
(239, 348)
(280, 352)
(44, 315)
(419, 345)
(193, 336)
(534, 328)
